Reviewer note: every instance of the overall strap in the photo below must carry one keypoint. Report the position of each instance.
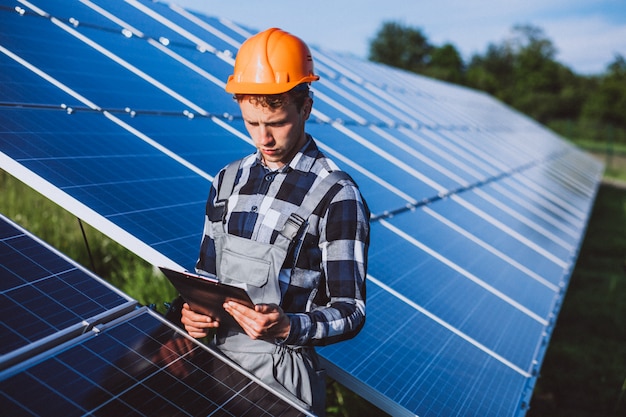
(299, 217)
(226, 188)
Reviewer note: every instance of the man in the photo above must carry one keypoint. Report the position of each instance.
(279, 222)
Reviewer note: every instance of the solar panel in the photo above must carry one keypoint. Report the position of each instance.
(72, 344)
(42, 292)
(478, 212)
(137, 365)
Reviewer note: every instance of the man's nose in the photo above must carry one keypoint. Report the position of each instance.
(265, 134)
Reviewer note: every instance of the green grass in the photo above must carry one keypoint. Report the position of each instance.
(584, 370)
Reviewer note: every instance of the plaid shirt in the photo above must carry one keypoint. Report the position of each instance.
(325, 293)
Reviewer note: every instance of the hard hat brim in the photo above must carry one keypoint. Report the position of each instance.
(234, 87)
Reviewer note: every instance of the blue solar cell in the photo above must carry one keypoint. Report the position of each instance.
(368, 159)
(137, 366)
(479, 258)
(450, 294)
(514, 246)
(199, 140)
(42, 292)
(414, 364)
(40, 42)
(120, 176)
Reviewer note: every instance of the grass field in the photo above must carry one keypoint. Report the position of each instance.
(584, 371)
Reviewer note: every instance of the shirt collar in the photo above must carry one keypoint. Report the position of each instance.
(302, 161)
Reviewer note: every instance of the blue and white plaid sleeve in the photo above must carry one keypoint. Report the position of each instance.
(344, 242)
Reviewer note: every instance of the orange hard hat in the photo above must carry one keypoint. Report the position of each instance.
(271, 62)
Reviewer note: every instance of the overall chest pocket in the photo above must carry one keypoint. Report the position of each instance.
(245, 267)
(255, 264)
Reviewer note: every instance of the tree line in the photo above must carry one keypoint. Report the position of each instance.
(521, 71)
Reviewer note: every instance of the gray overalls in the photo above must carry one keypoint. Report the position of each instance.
(292, 370)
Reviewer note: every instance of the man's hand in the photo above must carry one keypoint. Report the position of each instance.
(197, 325)
(264, 321)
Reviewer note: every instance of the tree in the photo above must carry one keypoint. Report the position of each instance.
(493, 72)
(445, 64)
(401, 47)
(607, 104)
(523, 72)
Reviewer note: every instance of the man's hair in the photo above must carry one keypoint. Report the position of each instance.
(296, 95)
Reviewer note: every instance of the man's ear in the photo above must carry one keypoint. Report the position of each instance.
(305, 112)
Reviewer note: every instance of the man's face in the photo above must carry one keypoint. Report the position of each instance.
(277, 133)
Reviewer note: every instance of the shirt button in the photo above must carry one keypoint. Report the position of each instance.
(269, 177)
(254, 208)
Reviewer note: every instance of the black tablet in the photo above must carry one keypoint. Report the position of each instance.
(206, 295)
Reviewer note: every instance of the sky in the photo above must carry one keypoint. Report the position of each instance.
(587, 34)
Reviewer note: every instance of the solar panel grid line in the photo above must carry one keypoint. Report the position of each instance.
(464, 273)
(29, 265)
(534, 192)
(157, 44)
(578, 188)
(466, 120)
(348, 95)
(176, 28)
(462, 164)
(210, 29)
(95, 107)
(523, 219)
(129, 67)
(391, 106)
(574, 179)
(163, 48)
(108, 114)
(552, 195)
(396, 116)
(535, 227)
(343, 109)
(538, 209)
(368, 173)
(203, 112)
(127, 26)
(80, 210)
(187, 63)
(25, 353)
(386, 155)
(440, 375)
(463, 144)
(158, 146)
(150, 79)
(418, 156)
(45, 76)
(412, 112)
(532, 274)
(508, 230)
(449, 327)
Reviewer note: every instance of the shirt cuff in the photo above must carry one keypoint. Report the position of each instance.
(300, 329)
